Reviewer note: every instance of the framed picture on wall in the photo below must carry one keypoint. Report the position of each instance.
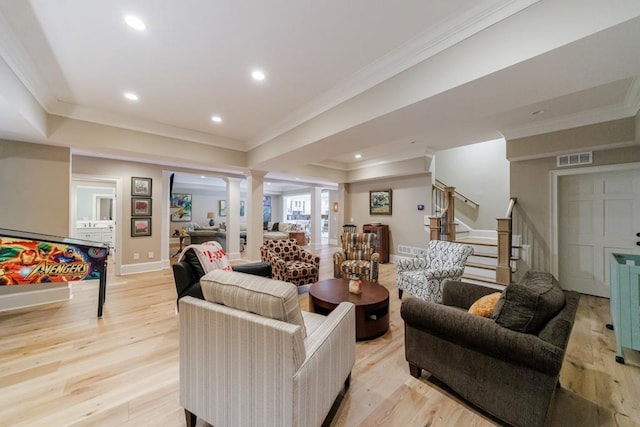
(140, 186)
(380, 202)
(180, 207)
(140, 227)
(241, 207)
(222, 208)
(140, 206)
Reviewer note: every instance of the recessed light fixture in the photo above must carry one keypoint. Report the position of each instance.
(538, 112)
(216, 119)
(257, 75)
(131, 96)
(135, 22)
(358, 156)
(202, 176)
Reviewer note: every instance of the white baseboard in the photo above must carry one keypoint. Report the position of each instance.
(394, 258)
(143, 267)
(37, 297)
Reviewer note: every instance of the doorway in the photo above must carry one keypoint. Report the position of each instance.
(93, 213)
(598, 213)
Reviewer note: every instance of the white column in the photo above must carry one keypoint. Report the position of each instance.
(316, 216)
(233, 218)
(255, 194)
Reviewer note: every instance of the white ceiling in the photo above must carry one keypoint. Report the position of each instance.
(194, 60)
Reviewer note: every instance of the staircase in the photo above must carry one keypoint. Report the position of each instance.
(481, 266)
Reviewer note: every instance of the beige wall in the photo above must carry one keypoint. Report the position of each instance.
(406, 224)
(35, 187)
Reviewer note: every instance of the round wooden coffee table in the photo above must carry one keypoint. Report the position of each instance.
(372, 305)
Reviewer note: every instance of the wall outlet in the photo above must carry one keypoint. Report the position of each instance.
(150, 254)
(136, 255)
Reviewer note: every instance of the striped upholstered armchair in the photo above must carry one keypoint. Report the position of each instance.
(250, 356)
(357, 257)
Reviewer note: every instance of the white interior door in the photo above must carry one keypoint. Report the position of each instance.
(598, 214)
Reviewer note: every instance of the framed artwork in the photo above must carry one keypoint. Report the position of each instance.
(241, 207)
(140, 186)
(180, 207)
(140, 227)
(380, 202)
(141, 206)
(222, 208)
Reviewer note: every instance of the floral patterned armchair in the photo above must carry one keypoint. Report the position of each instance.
(357, 257)
(289, 262)
(425, 275)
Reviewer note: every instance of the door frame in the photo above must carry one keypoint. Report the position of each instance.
(555, 176)
(117, 212)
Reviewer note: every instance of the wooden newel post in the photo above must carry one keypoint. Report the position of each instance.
(503, 269)
(435, 227)
(449, 195)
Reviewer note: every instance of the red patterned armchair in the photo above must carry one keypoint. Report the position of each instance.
(357, 257)
(289, 262)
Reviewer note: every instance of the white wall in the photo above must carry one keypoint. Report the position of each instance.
(480, 172)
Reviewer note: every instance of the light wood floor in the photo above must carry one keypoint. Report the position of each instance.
(61, 366)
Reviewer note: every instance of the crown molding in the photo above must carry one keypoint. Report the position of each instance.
(411, 53)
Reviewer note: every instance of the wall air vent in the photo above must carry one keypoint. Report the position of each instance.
(575, 159)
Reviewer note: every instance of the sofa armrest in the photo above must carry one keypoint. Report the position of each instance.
(482, 334)
(463, 295)
(375, 257)
(256, 268)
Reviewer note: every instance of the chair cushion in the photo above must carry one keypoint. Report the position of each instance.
(300, 269)
(527, 306)
(357, 267)
(266, 297)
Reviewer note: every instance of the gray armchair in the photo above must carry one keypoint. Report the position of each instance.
(424, 276)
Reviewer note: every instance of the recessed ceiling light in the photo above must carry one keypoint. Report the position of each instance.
(131, 96)
(358, 156)
(257, 75)
(202, 176)
(216, 119)
(135, 22)
(538, 112)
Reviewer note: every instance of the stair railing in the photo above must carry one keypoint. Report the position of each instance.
(505, 236)
(442, 223)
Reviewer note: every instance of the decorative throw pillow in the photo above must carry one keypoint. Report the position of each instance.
(484, 306)
(275, 226)
(527, 306)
